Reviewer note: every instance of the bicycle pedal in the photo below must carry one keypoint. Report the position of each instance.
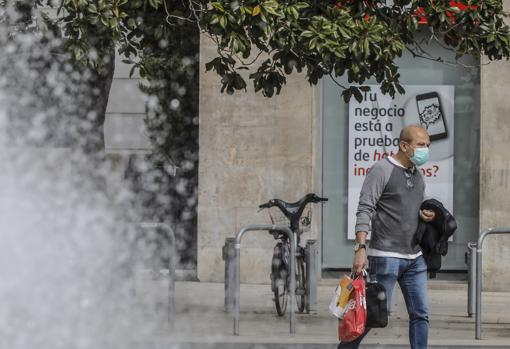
(300, 291)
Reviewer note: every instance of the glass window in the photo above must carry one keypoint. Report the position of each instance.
(465, 77)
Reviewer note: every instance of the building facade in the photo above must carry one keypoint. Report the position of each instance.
(254, 148)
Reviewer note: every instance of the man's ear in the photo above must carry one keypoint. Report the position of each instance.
(401, 146)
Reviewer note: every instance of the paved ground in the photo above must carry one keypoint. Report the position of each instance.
(288, 346)
(201, 321)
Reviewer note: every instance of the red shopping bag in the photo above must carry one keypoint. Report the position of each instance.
(353, 323)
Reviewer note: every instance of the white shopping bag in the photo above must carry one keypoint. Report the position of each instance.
(338, 304)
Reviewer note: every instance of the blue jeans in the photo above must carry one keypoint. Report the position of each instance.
(411, 275)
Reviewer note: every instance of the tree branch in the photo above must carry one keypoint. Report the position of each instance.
(336, 82)
(441, 60)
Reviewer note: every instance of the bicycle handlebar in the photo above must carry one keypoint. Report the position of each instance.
(296, 208)
(266, 205)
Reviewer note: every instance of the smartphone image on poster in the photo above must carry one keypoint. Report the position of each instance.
(431, 116)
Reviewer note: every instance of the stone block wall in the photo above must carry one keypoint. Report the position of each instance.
(495, 171)
(252, 149)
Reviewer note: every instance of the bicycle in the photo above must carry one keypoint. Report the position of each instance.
(280, 264)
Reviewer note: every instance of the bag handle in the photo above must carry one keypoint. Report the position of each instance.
(363, 273)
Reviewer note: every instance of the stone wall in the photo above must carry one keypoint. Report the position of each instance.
(495, 171)
(252, 149)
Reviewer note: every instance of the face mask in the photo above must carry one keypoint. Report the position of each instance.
(421, 156)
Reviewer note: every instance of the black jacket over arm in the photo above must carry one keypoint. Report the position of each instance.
(433, 237)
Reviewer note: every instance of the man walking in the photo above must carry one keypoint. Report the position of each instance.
(389, 203)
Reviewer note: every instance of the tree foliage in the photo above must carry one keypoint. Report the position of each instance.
(79, 39)
(360, 39)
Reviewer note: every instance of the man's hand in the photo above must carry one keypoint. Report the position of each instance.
(360, 261)
(427, 215)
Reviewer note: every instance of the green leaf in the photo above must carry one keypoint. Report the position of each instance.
(239, 82)
(218, 6)
(132, 71)
(212, 64)
(400, 89)
(223, 22)
(347, 94)
(295, 13)
(301, 5)
(272, 11)
(313, 43)
(154, 3)
(255, 11)
(357, 94)
(215, 19)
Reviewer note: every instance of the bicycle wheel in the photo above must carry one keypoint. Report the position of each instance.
(279, 275)
(280, 298)
(300, 284)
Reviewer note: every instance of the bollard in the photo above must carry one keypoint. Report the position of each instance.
(312, 263)
(229, 254)
(172, 262)
(471, 277)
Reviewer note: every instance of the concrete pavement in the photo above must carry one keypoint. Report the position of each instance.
(201, 320)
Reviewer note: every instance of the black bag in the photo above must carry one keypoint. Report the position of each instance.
(377, 305)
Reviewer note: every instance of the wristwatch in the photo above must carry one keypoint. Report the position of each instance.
(359, 246)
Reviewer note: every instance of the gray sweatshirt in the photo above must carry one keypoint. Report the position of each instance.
(390, 201)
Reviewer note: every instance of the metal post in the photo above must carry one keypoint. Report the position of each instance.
(237, 293)
(478, 300)
(229, 254)
(471, 277)
(479, 247)
(259, 227)
(312, 262)
(172, 261)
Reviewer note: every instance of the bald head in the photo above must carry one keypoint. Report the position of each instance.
(414, 136)
(411, 132)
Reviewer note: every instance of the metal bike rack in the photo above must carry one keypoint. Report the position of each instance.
(228, 255)
(312, 261)
(479, 246)
(471, 277)
(261, 227)
(171, 264)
